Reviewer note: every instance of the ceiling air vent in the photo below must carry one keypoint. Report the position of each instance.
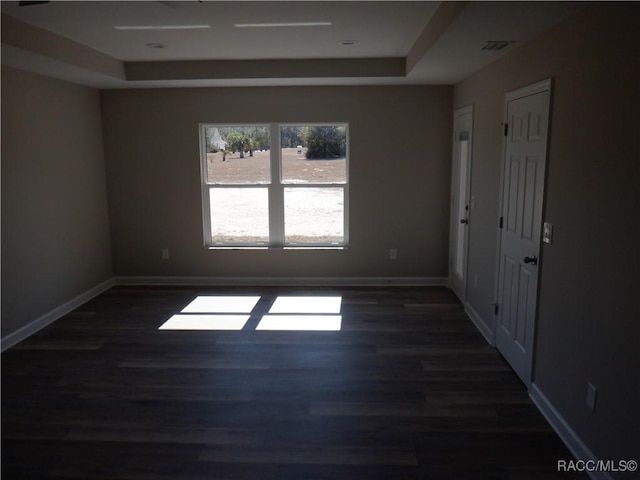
(496, 45)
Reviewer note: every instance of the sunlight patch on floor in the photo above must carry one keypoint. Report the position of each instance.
(322, 305)
(221, 304)
(232, 312)
(326, 323)
(205, 322)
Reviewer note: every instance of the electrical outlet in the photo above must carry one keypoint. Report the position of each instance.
(393, 254)
(592, 393)
(165, 254)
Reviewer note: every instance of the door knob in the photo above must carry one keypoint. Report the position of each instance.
(464, 220)
(533, 260)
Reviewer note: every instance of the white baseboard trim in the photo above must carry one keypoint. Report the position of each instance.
(283, 281)
(39, 323)
(570, 438)
(479, 323)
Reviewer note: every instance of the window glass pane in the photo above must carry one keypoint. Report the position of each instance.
(462, 213)
(314, 154)
(237, 155)
(314, 215)
(239, 215)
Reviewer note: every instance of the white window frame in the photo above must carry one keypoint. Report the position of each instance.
(275, 188)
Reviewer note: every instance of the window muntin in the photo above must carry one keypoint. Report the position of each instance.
(275, 197)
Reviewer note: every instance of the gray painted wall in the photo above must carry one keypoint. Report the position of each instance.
(588, 327)
(400, 149)
(55, 230)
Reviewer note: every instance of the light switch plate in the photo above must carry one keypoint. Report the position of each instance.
(547, 232)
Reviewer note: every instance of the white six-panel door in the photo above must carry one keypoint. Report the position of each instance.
(527, 118)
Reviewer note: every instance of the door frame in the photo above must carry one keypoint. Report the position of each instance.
(453, 215)
(532, 89)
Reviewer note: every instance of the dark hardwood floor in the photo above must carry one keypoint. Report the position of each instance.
(408, 389)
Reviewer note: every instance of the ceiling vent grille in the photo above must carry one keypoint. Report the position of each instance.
(495, 45)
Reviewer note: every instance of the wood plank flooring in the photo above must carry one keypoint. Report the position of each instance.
(407, 389)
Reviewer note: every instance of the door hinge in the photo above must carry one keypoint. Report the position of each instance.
(506, 129)
(501, 222)
(495, 308)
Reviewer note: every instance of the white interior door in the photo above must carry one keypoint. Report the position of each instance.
(527, 112)
(460, 185)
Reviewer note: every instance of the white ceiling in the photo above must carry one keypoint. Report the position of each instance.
(382, 30)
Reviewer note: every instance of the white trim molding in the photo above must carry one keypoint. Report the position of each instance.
(567, 434)
(540, 86)
(39, 323)
(480, 324)
(286, 281)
